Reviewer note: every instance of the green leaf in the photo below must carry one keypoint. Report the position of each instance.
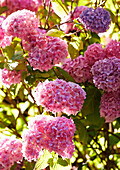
(91, 107)
(59, 8)
(18, 56)
(60, 165)
(43, 160)
(114, 139)
(92, 101)
(55, 33)
(3, 9)
(74, 53)
(81, 130)
(65, 74)
(75, 46)
(9, 50)
(28, 165)
(2, 65)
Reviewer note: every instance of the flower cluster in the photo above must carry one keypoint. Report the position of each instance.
(94, 53)
(67, 27)
(113, 49)
(106, 74)
(53, 52)
(96, 20)
(78, 69)
(8, 77)
(20, 23)
(35, 40)
(4, 39)
(60, 96)
(51, 133)
(110, 106)
(16, 5)
(10, 152)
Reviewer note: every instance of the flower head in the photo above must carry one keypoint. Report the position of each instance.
(50, 133)
(20, 23)
(10, 152)
(8, 77)
(53, 51)
(60, 96)
(106, 74)
(78, 69)
(16, 5)
(113, 49)
(94, 53)
(96, 20)
(110, 106)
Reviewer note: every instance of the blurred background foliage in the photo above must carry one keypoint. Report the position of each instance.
(97, 144)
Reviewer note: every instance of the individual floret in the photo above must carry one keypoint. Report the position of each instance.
(60, 96)
(53, 52)
(78, 69)
(20, 23)
(106, 74)
(10, 152)
(96, 20)
(110, 106)
(50, 133)
(113, 49)
(15, 5)
(8, 77)
(94, 53)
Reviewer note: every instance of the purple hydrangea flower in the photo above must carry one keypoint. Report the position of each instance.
(106, 74)
(110, 106)
(50, 133)
(96, 20)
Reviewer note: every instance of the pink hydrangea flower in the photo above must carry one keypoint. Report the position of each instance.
(110, 106)
(50, 133)
(20, 23)
(37, 40)
(8, 77)
(60, 96)
(16, 5)
(78, 69)
(67, 27)
(10, 152)
(106, 74)
(4, 39)
(53, 52)
(94, 53)
(113, 49)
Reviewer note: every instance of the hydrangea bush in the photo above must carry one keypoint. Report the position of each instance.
(59, 85)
